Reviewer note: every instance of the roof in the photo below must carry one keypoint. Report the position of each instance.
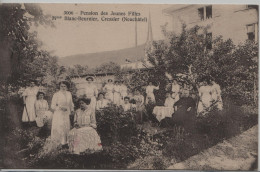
(177, 7)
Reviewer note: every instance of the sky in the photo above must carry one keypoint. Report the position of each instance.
(80, 37)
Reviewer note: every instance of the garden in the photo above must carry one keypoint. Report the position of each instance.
(126, 144)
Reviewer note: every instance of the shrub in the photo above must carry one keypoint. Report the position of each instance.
(113, 124)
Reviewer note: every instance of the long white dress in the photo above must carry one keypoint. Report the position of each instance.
(117, 96)
(43, 115)
(61, 121)
(109, 88)
(85, 137)
(216, 96)
(123, 92)
(30, 94)
(91, 93)
(205, 100)
(175, 92)
(102, 104)
(149, 93)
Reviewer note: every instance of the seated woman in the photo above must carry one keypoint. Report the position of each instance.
(43, 115)
(185, 111)
(102, 102)
(84, 136)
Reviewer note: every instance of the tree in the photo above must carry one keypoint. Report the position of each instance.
(78, 70)
(109, 67)
(233, 67)
(19, 46)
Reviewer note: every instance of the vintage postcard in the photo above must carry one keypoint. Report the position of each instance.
(129, 86)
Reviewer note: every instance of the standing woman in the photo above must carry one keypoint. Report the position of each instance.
(149, 93)
(62, 105)
(109, 89)
(117, 96)
(216, 95)
(91, 92)
(205, 98)
(175, 90)
(29, 98)
(123, 91)
(139, 99)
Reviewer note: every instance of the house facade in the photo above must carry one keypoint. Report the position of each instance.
(238, 22)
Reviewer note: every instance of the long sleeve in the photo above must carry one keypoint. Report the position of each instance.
(76, 117)
(46, 105)
(93, 118)
(96, 91)
(37, 107)
(54, 102)
(156, 88)
(71, 103)
(142, 99)
(25, 93)
(146, 90)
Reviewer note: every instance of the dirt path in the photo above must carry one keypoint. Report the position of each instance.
(237, 153)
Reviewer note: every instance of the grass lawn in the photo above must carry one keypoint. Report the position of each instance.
(149, 147)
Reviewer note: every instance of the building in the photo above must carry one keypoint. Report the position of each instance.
(238, 22)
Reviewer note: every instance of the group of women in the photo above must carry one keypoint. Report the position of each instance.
(83, 136)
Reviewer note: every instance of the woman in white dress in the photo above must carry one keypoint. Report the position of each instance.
(175, 90)
(216, 95)
(123, 91)
(102, 102)
(29, 98)
(117, 95)
(127, 105)
(149, 93)
(139, 100)
(91, 92)
(84, 136)
(205, 99)
(63, 106)
(109, 90)
(43, 115)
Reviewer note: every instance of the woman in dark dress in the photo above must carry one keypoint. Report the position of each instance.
(184, 112)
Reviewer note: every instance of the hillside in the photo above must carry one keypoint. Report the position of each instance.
(95, 59)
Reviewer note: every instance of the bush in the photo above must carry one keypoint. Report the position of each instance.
(113, 125)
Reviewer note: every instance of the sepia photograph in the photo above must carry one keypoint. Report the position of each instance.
(129, 86)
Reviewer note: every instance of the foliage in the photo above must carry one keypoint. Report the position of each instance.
(19, 45)
(78, 70)
(113, 124)
(233, 67)
(109, 67)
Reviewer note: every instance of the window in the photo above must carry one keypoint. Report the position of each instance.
(205, 12)
(209, 12)
(209, 41)
(201, 13)
(251, 32)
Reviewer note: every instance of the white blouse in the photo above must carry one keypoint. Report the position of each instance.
(151, 88)
(102, 103)
(91, 90)
(62, 99)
